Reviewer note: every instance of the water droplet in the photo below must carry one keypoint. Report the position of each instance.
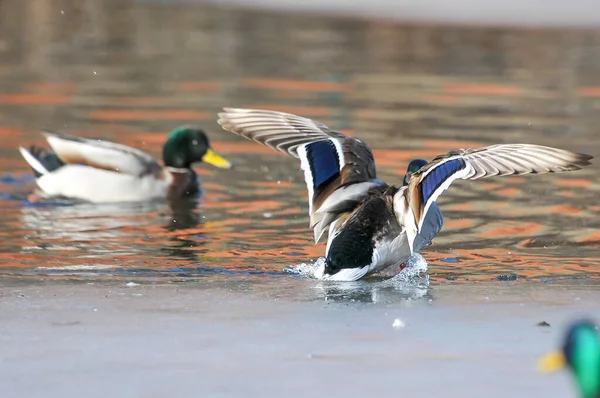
(398, 324)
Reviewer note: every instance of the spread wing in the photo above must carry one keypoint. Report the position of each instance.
(338, 170)
(426, 185)
(101, 154)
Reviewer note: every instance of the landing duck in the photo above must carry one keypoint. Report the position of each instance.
(103, 171)
(372, 225)
(580, 353)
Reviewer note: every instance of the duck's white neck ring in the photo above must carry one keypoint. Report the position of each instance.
(177, 169)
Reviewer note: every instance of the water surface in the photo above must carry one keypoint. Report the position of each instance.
(132, 71)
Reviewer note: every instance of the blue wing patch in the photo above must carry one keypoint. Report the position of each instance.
(323, 159)
(438, 175)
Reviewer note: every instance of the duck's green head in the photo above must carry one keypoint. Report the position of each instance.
(581, 353)
(414, 166)
(187, 145)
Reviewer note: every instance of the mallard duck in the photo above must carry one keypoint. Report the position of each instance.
(581, 353)
(372, 225)
(103, 171)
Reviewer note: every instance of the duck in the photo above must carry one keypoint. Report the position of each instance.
(372, 225)
(102, 171)
(580, 353)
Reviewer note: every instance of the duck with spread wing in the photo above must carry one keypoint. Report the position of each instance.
(372, 225)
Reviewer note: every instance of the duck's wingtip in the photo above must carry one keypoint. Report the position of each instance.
(225, 118)
(222, 116)
(34, 162)
(582, 160)
(227, 109)
(49, 134)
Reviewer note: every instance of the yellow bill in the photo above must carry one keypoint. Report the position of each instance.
(551, 362)
(216, 160)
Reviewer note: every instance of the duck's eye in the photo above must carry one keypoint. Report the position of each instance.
(195, 142)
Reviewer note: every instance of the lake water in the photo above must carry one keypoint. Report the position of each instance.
(132, 71)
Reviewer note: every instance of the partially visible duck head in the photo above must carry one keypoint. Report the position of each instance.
(580, 353)
(414, 166)
(187, 145)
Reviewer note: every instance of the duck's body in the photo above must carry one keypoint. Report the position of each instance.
(370, 238)
(581, 354)
(98, 185)
(103, 171)
(370, 224)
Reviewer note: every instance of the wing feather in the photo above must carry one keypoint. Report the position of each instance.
(101, 154)
(262, 126)
(330, 160)
(431, 180)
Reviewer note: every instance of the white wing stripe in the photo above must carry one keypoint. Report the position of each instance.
(308, 177)
(340, 151)
(33, 162)
(459, 174)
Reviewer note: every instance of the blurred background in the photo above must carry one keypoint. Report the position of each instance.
(411, 78)
(174, 299)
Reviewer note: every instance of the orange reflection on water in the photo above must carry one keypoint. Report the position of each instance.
(297, 85)
(481, 89)
(34, 99)
(502, 229)
(406, 102)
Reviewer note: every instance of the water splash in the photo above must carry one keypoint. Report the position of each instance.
(412, 279)
(414, 274)
(415, 267)
(305, 269)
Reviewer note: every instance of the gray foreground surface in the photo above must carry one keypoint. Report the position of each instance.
(179, 340)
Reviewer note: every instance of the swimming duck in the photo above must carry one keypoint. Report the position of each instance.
(581, 354)
(103, 171)
(372, 225)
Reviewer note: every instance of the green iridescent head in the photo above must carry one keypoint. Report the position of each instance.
(581, 354)
(414, 166)
(187, 145)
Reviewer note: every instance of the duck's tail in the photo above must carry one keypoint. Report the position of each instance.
(41, 161)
